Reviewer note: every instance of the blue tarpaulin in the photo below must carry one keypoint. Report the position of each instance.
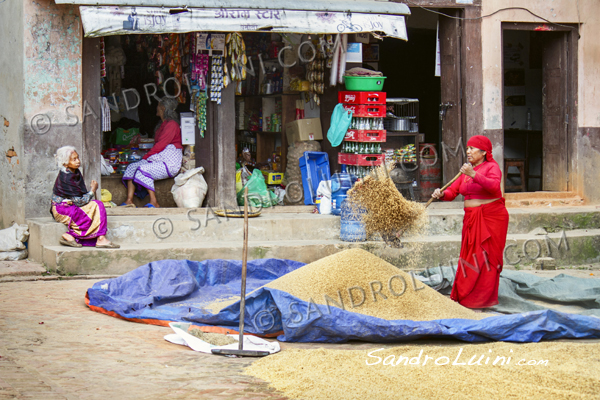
(180, 290)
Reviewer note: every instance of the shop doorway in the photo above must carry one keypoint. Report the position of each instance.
(538, 71)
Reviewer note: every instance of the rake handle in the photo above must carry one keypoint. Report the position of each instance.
(244, 263)
(444, 188)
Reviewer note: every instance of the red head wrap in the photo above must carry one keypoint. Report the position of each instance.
(482, 143)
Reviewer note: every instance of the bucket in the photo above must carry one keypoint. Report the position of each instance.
(352, 229)
(364, 83)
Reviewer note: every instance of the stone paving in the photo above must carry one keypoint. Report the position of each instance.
(53, 347)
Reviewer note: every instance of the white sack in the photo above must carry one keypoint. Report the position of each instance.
(13, 238)
(13, 255)
(190, 188)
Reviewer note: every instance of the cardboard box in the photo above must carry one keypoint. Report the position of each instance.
(188, 128)
(303, 130)
(273, 178)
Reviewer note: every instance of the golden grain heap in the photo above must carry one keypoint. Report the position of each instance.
(388, 212)
(368, 285)
(216, 339)
(560, 371)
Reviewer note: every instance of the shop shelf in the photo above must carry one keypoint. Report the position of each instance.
(363, 160)
(358, 135)
(371, 110)
(362, 97)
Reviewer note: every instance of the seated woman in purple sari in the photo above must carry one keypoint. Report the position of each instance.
(73, 206)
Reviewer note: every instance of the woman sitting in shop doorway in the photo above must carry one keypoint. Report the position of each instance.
(73, 206)
(485, 226)
(162, 162)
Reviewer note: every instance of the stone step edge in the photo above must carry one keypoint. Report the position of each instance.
(577, 233)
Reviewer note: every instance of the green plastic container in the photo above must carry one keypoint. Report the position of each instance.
(364, 83)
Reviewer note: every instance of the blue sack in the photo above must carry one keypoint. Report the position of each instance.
(340, 122)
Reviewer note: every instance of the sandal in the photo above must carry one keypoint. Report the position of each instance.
(110, 245)
(71, 243)
(127, 205)
(149, 205)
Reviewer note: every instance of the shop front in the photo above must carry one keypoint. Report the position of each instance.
(240, 75)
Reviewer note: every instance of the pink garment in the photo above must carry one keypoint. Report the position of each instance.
(485, 185)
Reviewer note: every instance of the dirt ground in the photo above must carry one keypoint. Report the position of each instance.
(53, 347)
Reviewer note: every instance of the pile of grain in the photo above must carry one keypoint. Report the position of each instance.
(572, 371)
(363, 274)
(388, 212)
(216, 306)
(216, 339)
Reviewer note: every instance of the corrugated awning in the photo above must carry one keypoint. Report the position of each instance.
(118, 17)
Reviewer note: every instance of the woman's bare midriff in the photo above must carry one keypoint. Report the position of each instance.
(478, 202)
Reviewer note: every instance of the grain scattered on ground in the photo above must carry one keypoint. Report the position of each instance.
(374, 286)
(572, 371)
(216, 339)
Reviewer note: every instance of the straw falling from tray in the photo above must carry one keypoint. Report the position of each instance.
(388, 212)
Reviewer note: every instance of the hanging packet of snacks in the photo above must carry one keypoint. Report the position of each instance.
(102, 58)
(216, 84)
(199, 98)
(236, 50)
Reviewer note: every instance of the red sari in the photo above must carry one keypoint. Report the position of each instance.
(481, 255)
(483, 237)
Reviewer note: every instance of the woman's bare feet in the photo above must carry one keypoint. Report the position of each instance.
(102, 240)
(68, 237)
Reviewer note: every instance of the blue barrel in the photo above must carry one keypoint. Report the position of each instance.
(352, 228)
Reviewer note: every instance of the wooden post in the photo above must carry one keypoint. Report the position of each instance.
(91, 127)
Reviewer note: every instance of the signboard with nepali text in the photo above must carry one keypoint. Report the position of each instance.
(113, 20)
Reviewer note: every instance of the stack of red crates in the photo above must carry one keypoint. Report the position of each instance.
(363, 105)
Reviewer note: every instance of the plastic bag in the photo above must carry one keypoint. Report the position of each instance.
(105, 168)
(340, 122)
(238, 181)
(258, 194)
(324, 189)
(190, 188)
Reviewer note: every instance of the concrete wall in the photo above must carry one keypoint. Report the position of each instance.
(12, 172)
(586, 154)
(40, 84)
(52, 86)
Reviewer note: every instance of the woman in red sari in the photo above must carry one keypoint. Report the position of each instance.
(485, 226)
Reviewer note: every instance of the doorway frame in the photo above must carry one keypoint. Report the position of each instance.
(572, 31)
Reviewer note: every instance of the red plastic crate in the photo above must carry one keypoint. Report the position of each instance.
(362, 97)
(364, 160)
(371, 110)
(357, 135)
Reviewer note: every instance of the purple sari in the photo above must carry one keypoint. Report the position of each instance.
(85, 223)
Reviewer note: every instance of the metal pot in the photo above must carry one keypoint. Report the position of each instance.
(397, 124)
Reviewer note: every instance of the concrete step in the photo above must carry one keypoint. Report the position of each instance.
(194, 227)
(575, 248)
(542, 199)
(202, 225)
